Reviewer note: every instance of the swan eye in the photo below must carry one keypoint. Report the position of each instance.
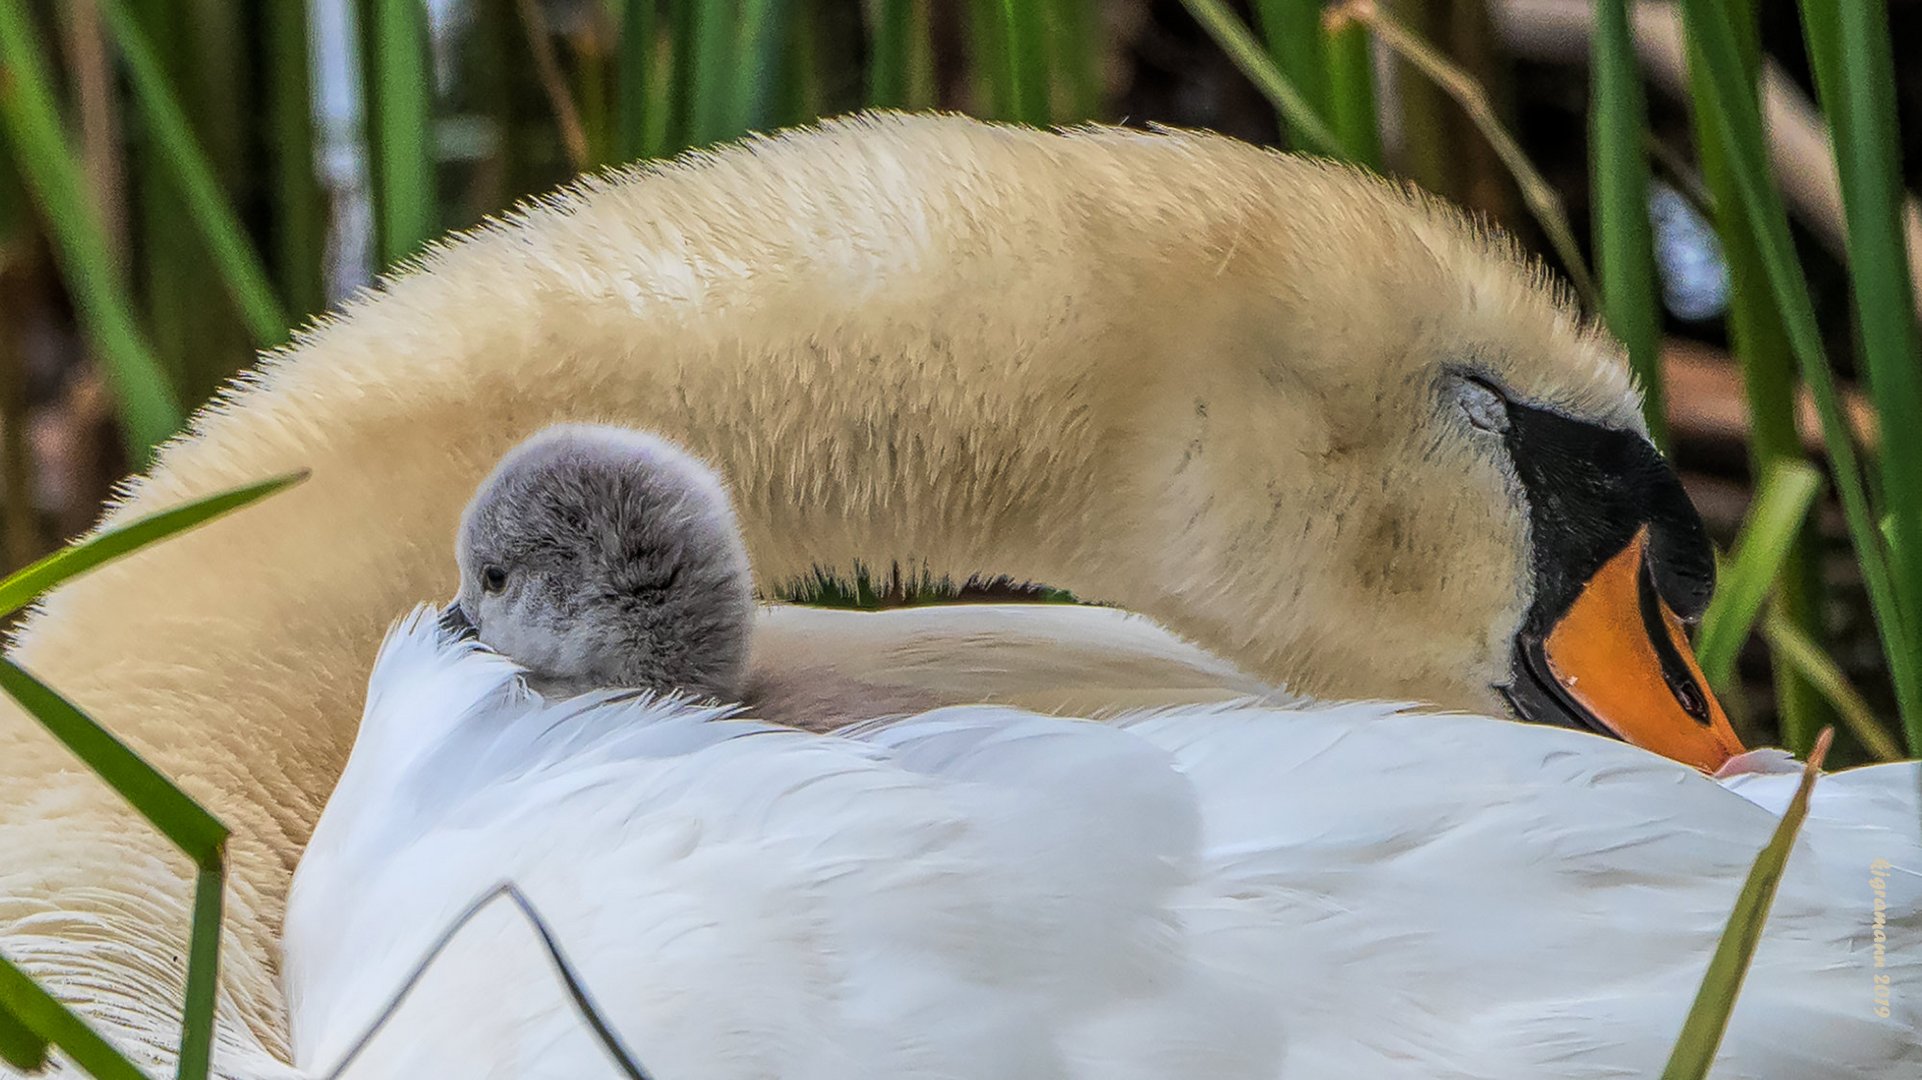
(1484, 405)
(493, 578)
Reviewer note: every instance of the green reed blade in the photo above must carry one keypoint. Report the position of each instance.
(1707, 1019)
(890, 52)
(149, 409)
(988, 55)
(1624, 237)
(800, 97)
(1849, 45)
(1025, 23)
(1310, 132)
(1074, 31)
(203, 974)
(54, 1023)
(1789, 645)
(683, 44)
(193, 830)
(175, 814)
(758, 64)
(1737, 118)
(402, 127)
(20, 1046)
(1761, 345)
(239, 265)
(21, 588)
(1292, 31)
(711, 105)
(300, 205)
(1769, 536)
(634, 88)
(1351, 91)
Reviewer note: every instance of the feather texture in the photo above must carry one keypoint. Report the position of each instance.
(1316, 891)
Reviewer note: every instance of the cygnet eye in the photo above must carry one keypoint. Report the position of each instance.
(1484, 405)
(493, 578)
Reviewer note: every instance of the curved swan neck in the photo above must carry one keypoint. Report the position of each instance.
(930, 425)
(913, 342)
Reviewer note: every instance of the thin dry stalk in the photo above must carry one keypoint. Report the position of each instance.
(1543, 202)
(547, 66)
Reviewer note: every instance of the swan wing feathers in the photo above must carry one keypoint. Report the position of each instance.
(1542, 901)
(983, 892)
(966, 894)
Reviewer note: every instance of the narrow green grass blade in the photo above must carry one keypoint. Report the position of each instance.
(36, 1010)
(203, 974)
(300, 215)
(890, 52)
(1761, 347)
(177, 816)
(173, 812)
(366, 55)
(149, 408)
(1310, 132)
(1292, 31)
(800, 98)
(1694, 1050)
(1025, 24)
(658, 116)
(1768, 537)
(711, 107)
(1074, 29)
(1624, 239)
(1739, 123)
(1351, 90)
(240, 267)
(198, 339)
(683, 44)
(634, 80)
(988, 55)
(21, 588)
(1789, 645)
(20, 1046)
(1849, 45)
(402, 126)
(763, 31)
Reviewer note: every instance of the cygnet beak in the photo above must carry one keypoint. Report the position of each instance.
(455, 623)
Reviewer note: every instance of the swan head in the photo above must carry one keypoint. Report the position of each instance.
(601, 557)
(1392, 458)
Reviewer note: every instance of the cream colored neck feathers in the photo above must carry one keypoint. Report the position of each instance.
(1169, 372)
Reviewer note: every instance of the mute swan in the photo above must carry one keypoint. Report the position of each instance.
(966, 892)
(1222, 891)
(1257, 398)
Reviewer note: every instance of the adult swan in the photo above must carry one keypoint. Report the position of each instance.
(1307, 420)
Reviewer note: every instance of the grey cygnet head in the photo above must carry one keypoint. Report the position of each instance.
(601, 557)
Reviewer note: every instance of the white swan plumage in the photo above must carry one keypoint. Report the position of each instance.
(1303, 892)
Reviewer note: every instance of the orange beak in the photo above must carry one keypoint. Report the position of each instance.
(1620, 656)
